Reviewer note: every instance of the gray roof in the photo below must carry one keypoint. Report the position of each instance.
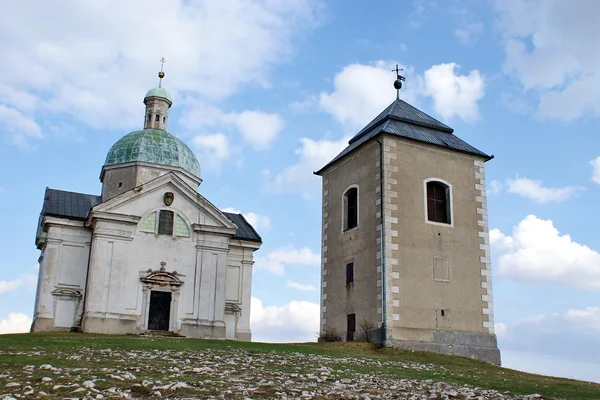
(72, 205)
(402, 119)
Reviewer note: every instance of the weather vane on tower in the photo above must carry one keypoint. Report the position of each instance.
(161, 74)
(398, 81)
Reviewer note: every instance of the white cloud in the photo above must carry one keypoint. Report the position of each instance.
(537, 252)
(27, 280)
(214, 149)
(259, 222)
(596, 169)
(15, 323)
(299, 177)
(297, 321)
(21, 128)
(454, 95)
(301, 287)
(550, 47)
(257, 128)
(275, 261)
(47, 73)
(361, 92)
(535, 191)
(494, 188)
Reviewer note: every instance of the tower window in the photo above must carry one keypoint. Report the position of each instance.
(349, 273)
(165, 222)
(438, 202)
(164, 119)
(350, 208)
(157, 118)
(149, 117)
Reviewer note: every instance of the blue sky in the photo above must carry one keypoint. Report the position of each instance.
(267, 92)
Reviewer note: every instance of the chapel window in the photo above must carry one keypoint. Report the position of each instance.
(350, 205)
(157, 118)
(165, 222)
(438, 202)
(350, 327)
(164, 119)
(149, 224)
(181, 228)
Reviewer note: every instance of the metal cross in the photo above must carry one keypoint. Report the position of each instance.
(398, 71)
(163, 61)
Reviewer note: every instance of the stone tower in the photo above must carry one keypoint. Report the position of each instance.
(405, 245)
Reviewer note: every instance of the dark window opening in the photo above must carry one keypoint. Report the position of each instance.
(120, 184)
(351, 202)
(438, 202)
(157, 118)
(351, 327)
(165, 222)
(164, 119)
(349, 273)
(443, 313)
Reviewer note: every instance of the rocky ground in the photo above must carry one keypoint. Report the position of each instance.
(87, 373)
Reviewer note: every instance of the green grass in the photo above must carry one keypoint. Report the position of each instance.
(105, 353)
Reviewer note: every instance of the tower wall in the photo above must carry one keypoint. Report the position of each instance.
(437, 276)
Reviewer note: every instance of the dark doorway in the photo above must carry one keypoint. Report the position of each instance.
(351, 327)
(160, 311)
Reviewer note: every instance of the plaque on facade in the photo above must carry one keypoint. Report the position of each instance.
(169, 196)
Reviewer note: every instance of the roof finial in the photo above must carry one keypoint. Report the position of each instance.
(161, 74)
(398, 81)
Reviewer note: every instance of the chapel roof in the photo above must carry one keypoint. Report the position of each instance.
(153, 146)
(402, 119)
(77, 206)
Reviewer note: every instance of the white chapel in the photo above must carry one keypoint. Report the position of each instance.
(150, 253)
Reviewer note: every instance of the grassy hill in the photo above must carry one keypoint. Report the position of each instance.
(104, 366)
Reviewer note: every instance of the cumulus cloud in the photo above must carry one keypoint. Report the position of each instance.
(535, 191)
(104, 89)
(454, 95)
(214, 149)
(276, 261)
(301, 287)
(469, 32)
(258, 221)
(15, 323)
(297, 321)
(363, 91)
(550, 47)
(596, 169)
(537, 252)
(299, 177)
(258, 129)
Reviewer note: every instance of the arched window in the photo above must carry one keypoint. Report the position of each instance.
(438, 202)
(350, 208)
(157, 118)
(168, 224)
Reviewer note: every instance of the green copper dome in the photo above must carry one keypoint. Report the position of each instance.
(153, 146)
(159, 92)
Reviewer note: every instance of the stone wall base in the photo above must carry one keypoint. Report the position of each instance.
(202, 331)
(244, 337)
(41, 324)
(112, 326)
(480, 346)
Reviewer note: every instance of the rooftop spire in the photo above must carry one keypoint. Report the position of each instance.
(161, 74)
(398, 81)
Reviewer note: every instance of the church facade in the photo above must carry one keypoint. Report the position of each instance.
(148, 254)
(405, 245)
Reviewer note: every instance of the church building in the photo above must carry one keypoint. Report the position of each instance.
(405, 244)
(148, 254)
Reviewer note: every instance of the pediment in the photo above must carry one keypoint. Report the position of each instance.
(165, 192)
